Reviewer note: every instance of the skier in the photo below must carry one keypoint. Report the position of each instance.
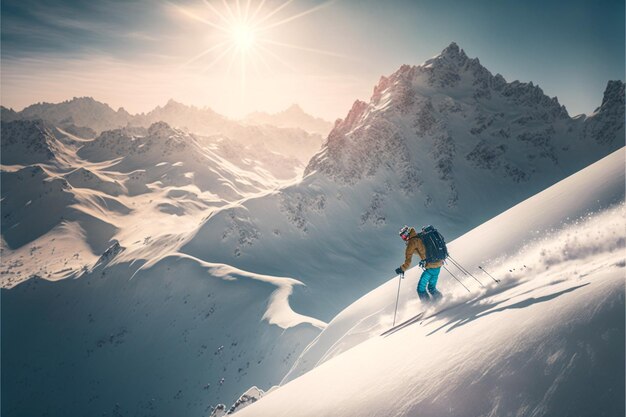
(428, 280)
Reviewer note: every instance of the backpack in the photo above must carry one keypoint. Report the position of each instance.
(434, 243)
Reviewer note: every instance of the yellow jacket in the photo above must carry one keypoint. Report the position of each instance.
(415, 245)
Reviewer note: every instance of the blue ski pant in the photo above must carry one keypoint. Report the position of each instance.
(428, 280)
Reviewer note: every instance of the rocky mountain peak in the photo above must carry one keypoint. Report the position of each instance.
(161, 129)
(173, 104)
(354, 116)
(453, 54)
(613, 96)
(294, 109)
(452, 102)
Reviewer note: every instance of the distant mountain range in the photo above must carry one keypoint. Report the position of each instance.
(294, 116)
(88, 112)
(89, 117)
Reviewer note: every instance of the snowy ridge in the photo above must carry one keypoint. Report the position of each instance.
(554, 323)
(278, 310)
(451, 104)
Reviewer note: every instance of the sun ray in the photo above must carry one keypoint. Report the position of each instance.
(217, 58)
(297, 16)
(277, 58)
(238, 10)
(243, 72)
(263, 61)
(230, 11)
(303, 48)
(200, 19)
(205, 52)
(257, 10)
(272, 13)
(246, 12)
(230, 63)
(217, 12)
(240, 42)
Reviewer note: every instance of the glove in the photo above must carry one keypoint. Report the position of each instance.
(399, 271)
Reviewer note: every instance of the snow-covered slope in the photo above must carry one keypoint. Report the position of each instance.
(130, 325)
(72, 195)
(444, 143)
(177, 337)
(170, 157)
(547, 340)
(294, 116)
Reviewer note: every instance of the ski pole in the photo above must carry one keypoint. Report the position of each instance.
(464, 270)
(483, 269)
(400, 276)
(454, 276)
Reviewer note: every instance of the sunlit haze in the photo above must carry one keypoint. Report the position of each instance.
(247, 55)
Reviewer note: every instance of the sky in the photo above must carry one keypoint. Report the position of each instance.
(323, 55)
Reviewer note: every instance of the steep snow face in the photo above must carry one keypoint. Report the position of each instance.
(26, 194)
(293, 117)
(551, 329)
(530, 223)
(174, 338)
(443, 143)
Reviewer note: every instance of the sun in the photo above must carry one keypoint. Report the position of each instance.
(243, 36)
(243, 31)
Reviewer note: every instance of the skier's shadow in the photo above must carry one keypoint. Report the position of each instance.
(422, 317)
(482, 310)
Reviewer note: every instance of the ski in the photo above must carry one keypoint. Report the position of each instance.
(402, 325)
(439, 312)
(417, 318)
